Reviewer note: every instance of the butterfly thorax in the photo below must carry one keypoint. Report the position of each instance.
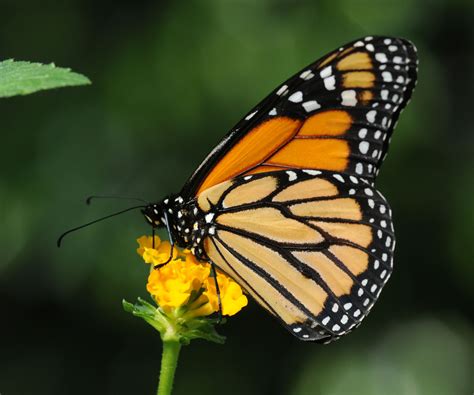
(185, 221)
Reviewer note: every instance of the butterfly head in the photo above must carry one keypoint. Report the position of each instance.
(154, 214)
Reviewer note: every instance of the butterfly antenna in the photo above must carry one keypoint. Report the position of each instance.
(94, 222)
(93, 197)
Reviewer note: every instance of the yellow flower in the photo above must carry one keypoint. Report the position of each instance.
(232, 297)
(146, 242)
(184, 282)
(171, 286)
(157, 255)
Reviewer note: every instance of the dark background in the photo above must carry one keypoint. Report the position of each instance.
(169, 79)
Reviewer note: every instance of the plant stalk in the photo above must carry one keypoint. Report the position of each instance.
(169, 361)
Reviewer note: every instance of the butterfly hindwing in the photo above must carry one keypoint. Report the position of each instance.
(336, 114)
(312, 247)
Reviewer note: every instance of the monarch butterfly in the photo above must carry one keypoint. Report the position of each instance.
(286, 204)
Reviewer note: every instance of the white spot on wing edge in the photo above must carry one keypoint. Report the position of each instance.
(397, 59)
(330, 83)
(387, 76)
(311, 105)
(326, 72)
(362, 133)
(250, 115)
(381, 57)
(292, 175)
(306, 75)
(354, 179)
(296, 97)
(364, 147)
(371, 116)
(283, 90)
(368, 192)
(312, 172)
(370, 47)
(349, 98)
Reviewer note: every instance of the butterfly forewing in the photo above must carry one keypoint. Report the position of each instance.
(336, 114)
(312, 247)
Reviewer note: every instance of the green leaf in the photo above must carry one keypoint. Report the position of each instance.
(201, 328)
(23, 78)
(127, 306)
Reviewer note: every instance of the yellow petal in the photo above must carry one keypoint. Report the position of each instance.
(147, 242)
(234, 300)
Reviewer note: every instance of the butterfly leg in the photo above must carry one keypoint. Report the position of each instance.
(170, 236)
(218, 292)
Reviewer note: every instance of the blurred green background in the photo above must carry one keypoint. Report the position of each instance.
(169, 79)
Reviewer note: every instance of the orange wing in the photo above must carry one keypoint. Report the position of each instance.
(336, 114)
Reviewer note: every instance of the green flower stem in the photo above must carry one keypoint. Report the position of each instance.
(176, 329)
(169, 361)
